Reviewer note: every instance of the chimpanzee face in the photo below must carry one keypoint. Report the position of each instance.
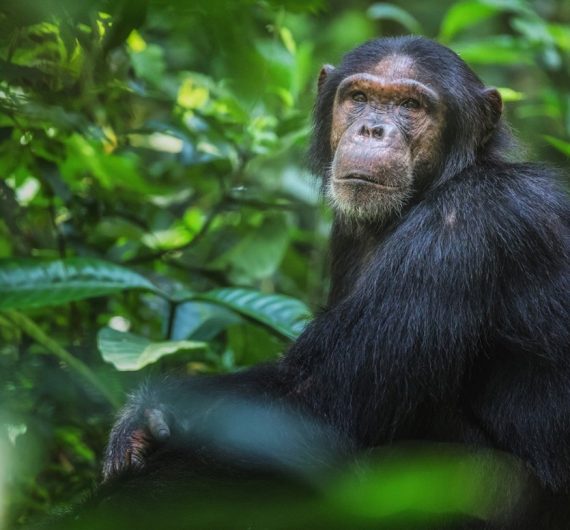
(386, 134)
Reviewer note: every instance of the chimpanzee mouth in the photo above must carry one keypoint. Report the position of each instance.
(363, 178)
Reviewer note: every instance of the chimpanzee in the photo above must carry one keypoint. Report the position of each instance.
(449, 312)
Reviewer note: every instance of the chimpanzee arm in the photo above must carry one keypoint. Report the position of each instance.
(160, 408)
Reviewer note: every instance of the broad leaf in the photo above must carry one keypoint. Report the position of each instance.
(39, 283)
(287, 316)
(129, 352)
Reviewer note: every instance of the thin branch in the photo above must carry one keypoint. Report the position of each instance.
(36, 333)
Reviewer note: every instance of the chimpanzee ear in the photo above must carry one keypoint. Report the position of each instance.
(326, 70)
(494, 104)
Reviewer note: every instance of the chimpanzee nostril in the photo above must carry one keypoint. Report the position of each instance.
(378, 131)
(372, 131)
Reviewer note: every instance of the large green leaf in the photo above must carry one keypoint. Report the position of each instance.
(128, 352)
(283, 314)
(37, 283)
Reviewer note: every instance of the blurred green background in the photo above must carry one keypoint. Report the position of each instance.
(155, 212)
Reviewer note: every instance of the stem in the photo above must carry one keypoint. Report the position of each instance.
(36, 333)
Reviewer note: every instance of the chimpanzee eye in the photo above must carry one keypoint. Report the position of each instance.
(410, 103)
(359, 97)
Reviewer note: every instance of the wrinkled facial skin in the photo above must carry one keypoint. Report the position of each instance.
(386, 135)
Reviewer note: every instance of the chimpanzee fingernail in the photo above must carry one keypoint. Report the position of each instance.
(156, 424)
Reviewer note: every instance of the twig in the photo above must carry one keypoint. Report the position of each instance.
(36, 333)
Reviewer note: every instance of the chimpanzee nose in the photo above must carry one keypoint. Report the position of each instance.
(376, 131)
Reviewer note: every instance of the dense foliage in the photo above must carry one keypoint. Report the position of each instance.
(155, 212)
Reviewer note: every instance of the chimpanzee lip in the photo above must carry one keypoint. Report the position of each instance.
(364, 178)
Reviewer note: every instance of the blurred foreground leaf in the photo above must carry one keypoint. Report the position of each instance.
(421, 485)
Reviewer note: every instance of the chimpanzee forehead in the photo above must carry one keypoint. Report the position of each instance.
(393, 67)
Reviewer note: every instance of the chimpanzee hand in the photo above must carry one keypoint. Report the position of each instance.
(172, 406)
(138, 432)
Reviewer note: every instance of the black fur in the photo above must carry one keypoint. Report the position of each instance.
(449, 323)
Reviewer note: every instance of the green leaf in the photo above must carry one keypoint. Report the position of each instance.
(250, 344)
(468, 13)
(502, 49)
(285, 315)
(508, 94)
(561, 35)
(561, 145)
(534, 29)
(515, 6)
(149, 63)
(201, 320)
(87, 156)
(383, 11)
(424, 484)
(26, 283)
(259, 253)
(129, 352)
(464, 15)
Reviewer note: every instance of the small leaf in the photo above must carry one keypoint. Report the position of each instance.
(383, 11)
(38, 283)
(129, 352)
(192, 95)
(288, 40)
(283, 314)
(508, 94)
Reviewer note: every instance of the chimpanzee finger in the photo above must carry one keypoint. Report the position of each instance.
(157, 424)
